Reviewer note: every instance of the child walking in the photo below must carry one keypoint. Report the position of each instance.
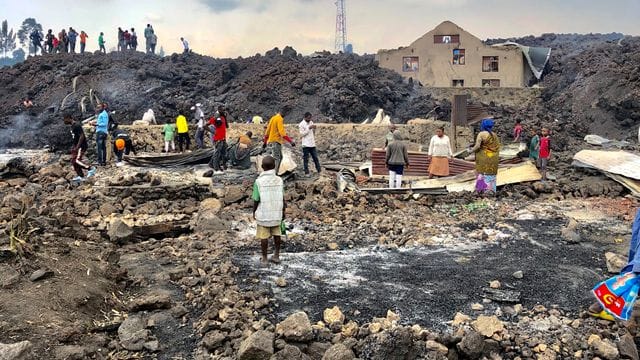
(545, 152)
(169, 131)
(268, 208)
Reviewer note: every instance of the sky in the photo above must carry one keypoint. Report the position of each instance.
(232, 28)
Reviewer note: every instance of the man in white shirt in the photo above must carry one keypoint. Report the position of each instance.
(306, 128)
(199, 116)
(185, 44)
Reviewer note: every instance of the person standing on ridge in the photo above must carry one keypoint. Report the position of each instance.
(306, 129)
(101, 43)
(120, 39)
(274, 135)
(49, 41)
(36, 41)
(83, 41)
(127, 39)
(134, 40)
(148, 31)
(185, 45)
(73, 35)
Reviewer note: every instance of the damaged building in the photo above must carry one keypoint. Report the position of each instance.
(449, 56)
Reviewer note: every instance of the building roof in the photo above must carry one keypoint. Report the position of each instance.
(537, 57)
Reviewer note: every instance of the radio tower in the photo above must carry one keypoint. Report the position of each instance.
(341, 27)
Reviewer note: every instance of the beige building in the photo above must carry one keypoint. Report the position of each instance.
(448, 56)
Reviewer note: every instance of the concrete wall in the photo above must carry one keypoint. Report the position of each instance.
(436, 66)
(517, 97)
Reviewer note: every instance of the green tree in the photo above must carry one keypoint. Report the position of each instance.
(28, 25)
(7, 38)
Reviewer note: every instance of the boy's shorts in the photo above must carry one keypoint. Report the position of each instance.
(265, 232)
(543, 163)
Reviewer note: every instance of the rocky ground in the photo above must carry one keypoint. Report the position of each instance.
(152, 263)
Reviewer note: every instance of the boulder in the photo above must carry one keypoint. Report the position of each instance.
(132, 333)
(119, 231)
(472, 345)
(258, 346)
(487, 325)
(208, 217)
(296, 327)
(153, 301)
(605, 349)
(316, 350)
(16, 351)
(213, 340)
(70, 352)
(333, 315)
(290, 352)
(615, 262)
(437, 347)
(627, 347)
(339, 352)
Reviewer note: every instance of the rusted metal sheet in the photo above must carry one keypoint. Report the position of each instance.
(459, 110)
(420, 161)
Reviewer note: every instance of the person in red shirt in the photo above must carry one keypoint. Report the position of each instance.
(220, 125)
(83, 41)
(545, 152)
(517, 131)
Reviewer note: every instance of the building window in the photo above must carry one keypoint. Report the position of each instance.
(490, 63)
(457, 83)
(490, 83)
(446, 39)
(410, 64)
(458, 56)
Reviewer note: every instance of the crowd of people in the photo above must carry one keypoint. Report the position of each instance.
(236, 154)
(486, 149)
(65, 41)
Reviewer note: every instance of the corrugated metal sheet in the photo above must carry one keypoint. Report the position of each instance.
(420, 161)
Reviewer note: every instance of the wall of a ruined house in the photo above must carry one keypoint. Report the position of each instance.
(436, 60)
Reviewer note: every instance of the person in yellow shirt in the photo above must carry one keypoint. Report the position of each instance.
(274, 136)
(183, 132)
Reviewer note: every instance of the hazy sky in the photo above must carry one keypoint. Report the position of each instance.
(231, 28)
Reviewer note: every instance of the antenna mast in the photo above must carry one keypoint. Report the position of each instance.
(341, 27)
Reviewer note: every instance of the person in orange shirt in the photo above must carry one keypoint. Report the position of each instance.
(274, 136)
(83, 41)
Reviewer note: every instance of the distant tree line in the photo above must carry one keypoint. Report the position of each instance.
(8, 44)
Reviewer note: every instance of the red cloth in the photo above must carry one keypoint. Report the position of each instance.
(545, 150)
(221, 131)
